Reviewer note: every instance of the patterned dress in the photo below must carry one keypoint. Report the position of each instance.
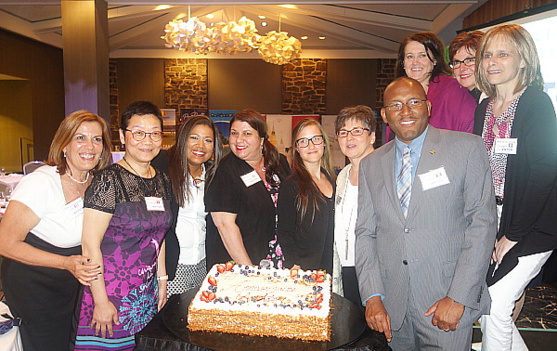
(130, 248)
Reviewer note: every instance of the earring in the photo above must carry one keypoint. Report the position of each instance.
(65, 154)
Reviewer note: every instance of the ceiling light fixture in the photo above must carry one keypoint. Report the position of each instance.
(278, 47)
(304, 37)
(230, 37)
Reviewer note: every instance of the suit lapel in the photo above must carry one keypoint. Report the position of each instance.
(388, 168)
(427, 163)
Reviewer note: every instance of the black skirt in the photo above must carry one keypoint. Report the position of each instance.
(44, 298)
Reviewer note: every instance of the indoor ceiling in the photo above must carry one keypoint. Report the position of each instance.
(351, 29)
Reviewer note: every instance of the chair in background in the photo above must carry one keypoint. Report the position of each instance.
(31, 166)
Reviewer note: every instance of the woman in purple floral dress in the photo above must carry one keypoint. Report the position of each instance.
(127, 212)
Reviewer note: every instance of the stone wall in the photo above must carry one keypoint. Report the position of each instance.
(303, 86)
(385, 74)
(186, 83)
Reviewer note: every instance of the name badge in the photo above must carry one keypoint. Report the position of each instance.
(75, 207)
(505, 145)
(250, 178)
(434, 178)
(154, 203)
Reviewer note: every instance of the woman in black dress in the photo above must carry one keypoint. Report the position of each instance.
(242, 197)
(306, 201)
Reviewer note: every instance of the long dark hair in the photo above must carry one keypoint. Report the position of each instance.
(434, 49)
(271, 156)
(306, 184)
(178, 168)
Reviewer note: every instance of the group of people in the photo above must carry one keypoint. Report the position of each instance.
(452, 227)
(410, 231)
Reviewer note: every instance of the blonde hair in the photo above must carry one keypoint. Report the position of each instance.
(66, 132)
(522, 41)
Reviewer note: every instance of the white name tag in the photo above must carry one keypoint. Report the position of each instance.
(154, 203)
(250, 178)
(75, 207)
(505, 145)
(434, 178)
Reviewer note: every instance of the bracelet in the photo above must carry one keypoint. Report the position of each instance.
(164, 277)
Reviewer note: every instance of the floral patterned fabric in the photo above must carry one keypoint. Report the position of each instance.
(130, 248)
(275, 251)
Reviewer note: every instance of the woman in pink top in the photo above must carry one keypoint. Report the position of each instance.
(421, 56)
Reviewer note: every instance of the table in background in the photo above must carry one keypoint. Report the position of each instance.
(10, 181)
(157, 337)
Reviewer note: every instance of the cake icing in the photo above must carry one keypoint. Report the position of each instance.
(263, 301)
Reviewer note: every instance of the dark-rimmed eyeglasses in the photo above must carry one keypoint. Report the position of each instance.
(304, 142)
(397, 105)
(357, 131)
(469, 61)
(140, 135)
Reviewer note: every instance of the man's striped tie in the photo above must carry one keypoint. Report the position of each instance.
(404, 181)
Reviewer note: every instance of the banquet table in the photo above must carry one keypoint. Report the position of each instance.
(10, 181)
(157, 336)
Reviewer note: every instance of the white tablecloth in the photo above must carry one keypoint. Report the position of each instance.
(11, 341)
(10, 180)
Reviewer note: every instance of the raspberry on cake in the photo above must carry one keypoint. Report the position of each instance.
(263, 301)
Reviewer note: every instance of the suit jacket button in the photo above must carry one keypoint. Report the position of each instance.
(405, 262)
(406, 230)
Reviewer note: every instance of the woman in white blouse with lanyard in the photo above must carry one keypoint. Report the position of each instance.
(40, 234)
(192, 162)
(355, 130)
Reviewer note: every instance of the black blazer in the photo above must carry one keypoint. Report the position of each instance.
(530, 195)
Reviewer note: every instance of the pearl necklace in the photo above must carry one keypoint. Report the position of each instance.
(78, 181)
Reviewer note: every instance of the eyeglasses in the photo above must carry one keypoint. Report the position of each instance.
(469, 61)
(140, 135)
(304, 142)
(397, 105)
(358, 131)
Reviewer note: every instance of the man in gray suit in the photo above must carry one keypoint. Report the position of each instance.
(425, 230)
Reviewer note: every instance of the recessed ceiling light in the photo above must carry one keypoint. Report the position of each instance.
(264, 24)
(304, 37)
(262, 17)
(288, 6)
(162, 7)
(322, 37)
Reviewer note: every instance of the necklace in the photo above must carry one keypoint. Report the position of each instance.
(78, 181)
(148, 190)
(352, 210)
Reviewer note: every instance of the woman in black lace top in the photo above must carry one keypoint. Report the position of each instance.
(127, 213)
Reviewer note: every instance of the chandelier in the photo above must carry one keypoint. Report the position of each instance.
(231, 38)
(279, 48)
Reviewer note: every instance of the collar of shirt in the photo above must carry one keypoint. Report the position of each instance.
(416, 146)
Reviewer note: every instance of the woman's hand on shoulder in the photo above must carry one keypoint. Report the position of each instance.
(82, 269)
(104, 315)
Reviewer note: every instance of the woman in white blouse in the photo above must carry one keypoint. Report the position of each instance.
(192, 164)
(40, 234)
(355, 130)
